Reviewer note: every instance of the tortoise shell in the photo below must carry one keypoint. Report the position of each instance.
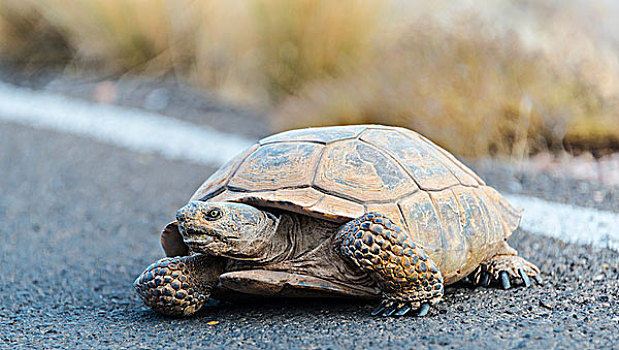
(339, 173)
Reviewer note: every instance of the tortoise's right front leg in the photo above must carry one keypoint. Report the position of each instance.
(179, 286)
(407, 277)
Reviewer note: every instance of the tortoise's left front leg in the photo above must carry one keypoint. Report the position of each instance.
(179, 286)
(408, 278)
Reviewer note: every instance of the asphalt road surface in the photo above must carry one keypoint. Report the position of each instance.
(79, 220)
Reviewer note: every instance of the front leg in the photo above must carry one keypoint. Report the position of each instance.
(179, 286)
(408, 278)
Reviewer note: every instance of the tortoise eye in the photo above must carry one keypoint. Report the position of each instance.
(213, 214)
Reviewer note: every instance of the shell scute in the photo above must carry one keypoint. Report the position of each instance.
(337, 209)
(276, 166)
(423, 222)
(465, 175)
(353, 169)
(455, 246)
(219, 179)
(510, 216)
(424, 166)
(473, 218)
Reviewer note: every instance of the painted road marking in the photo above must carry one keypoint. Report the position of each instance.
(130, 128)
(568, 222)
(175, 139)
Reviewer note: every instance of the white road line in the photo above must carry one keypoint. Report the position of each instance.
(130, 128)
(568, 222)
(174, 139)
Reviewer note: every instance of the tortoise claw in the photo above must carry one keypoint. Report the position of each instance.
(390, 310)
(538, 279)
(505, 279)
(525, 277)
(485, 280)
(423, 310)
(507, 271)
(380, 308)
(403, 310)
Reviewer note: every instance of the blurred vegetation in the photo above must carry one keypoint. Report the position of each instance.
(475, 83)
(474, 95)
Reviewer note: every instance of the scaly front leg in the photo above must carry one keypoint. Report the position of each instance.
(408, 278)
(179, 286)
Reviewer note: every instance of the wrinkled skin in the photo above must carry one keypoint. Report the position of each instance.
(231, 230)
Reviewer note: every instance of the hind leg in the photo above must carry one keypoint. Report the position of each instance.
(506, 268)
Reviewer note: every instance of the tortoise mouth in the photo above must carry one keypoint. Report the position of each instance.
(205, 241)
(191, 234)
(197, 247)
(203, 244)
(196, 233)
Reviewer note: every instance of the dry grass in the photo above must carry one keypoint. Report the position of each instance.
(256, 51)
(473, 94)
(27, 36)
(108, 35)
(317, 62)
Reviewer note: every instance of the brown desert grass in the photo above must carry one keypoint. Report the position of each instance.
(472, 89)
(473, 94)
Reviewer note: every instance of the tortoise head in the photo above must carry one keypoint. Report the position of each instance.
(232, 230)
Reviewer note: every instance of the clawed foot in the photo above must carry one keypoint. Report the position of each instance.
(407, 276)
(178, 286)
(507, 270)
(392, 308)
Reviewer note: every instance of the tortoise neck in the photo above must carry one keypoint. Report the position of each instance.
(282, 245)
(299, 238)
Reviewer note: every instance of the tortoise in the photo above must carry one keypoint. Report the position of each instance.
(364, 211)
